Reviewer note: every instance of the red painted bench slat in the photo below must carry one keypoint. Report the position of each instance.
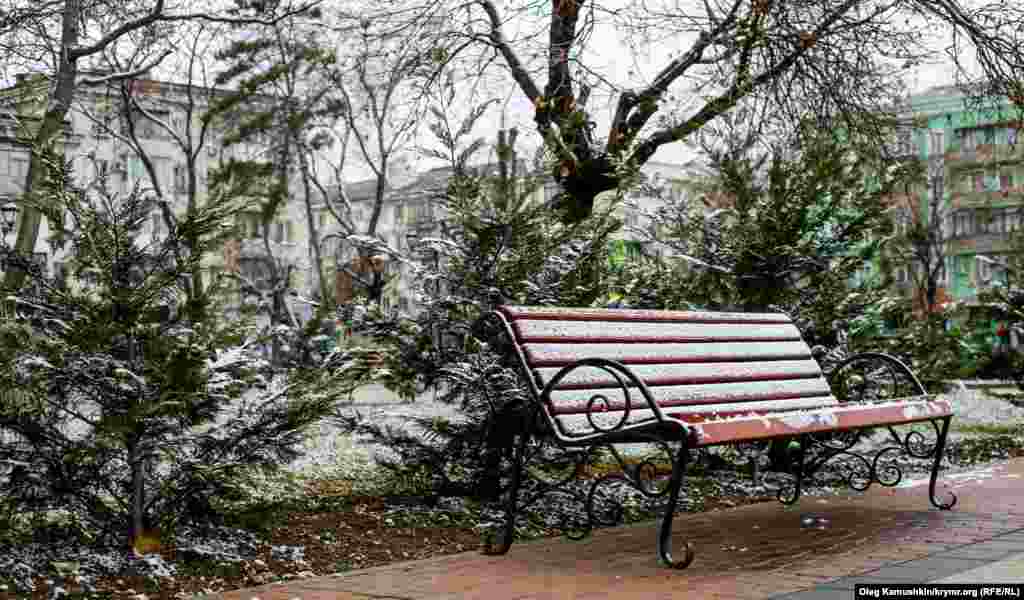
(553, 313)
(554, 355)
(746, 392)
(689, 374)
(833, 419)
(530, 331)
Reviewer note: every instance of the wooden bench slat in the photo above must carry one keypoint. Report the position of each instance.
(687, 373)
(778, 392)
(578, 423)
(821, 420)
(553, 355)
(741, 425)
(531, 331)
(514, 313)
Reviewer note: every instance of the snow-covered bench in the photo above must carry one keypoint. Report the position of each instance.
(602, 377)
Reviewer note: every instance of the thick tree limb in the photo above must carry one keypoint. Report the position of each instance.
(151, 17)
(497, 39)
(134, 73)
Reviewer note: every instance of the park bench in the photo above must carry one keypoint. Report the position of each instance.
(603, 377)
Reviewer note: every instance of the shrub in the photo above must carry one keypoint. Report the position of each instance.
(127, 414)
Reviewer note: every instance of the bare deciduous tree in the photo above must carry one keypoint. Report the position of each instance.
(830, 61)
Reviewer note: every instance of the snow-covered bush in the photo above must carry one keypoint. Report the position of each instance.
(123, 410)
(498, 246)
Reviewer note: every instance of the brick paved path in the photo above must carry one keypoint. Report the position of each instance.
(746, 553)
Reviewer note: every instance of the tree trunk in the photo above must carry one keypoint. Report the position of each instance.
(582, 186)
(138, 494)
(43, 144)
(197, 298)
(314, 234)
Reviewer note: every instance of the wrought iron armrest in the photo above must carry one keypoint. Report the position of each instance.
(599, 402)
(882, 376)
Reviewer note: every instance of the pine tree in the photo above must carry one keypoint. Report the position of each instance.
(499, 247)
(123, 411)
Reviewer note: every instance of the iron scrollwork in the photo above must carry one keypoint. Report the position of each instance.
(871, 378)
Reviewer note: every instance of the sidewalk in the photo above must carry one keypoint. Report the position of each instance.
(747, 553)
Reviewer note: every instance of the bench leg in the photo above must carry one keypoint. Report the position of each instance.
(665, 531)
(940, 447)
(508, 531)
(789, 495)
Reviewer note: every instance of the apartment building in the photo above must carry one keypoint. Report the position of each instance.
(97, 144)
(975, 174)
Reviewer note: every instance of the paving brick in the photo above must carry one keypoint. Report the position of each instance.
(991, 549)
(748, 553)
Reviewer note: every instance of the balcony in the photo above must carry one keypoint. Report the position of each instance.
(981, 243)
(987, 155)
(1012, 196)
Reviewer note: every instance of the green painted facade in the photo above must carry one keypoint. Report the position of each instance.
(976, 160)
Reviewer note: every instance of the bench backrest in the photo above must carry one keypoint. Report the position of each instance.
(698, 365)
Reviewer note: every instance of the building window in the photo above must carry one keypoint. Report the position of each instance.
(968, 140)
(989, 135)
(983, 223)
(1011, 135)
(180, 183)
(149, 128)
(998, 222)
(136, 169)
(282, 232)
(1005, 181)
(979, 182)
(984, 270)
(937, 141)
(158, 225)
(902, 223)
(178, 123)
(962, 224)
(19, 168)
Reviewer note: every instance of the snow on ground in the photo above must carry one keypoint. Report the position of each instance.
(332, 448)
(974, 406)
(343, 454)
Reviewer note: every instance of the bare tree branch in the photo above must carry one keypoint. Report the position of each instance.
(497, 39)
(134, 73)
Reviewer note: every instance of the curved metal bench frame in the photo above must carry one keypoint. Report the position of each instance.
(812, 451)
